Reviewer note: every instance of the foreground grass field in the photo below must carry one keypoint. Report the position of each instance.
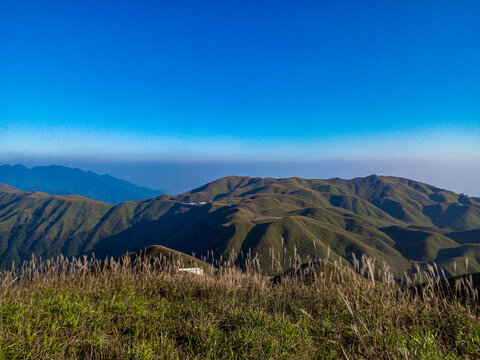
(81, 310)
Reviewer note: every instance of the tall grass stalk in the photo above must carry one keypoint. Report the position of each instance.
(145, 309)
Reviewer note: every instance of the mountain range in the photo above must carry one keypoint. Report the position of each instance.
(397, 221)
(61, 180)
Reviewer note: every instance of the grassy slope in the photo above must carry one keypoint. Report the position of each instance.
(280, 217)
(43, 224)
(127, 313)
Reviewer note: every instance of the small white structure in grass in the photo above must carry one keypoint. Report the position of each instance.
(196, 271)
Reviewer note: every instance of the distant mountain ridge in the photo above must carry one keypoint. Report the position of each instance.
(393, 220)
(61, 180)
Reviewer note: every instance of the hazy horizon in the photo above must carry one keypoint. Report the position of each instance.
(176, 177)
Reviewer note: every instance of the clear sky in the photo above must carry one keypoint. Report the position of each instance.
(240, 80)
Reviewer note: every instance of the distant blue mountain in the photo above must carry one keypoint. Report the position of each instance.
(61, 180)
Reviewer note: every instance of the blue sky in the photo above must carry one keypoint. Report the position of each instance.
(240, 80)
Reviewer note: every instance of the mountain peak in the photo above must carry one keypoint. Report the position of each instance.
(62, 180)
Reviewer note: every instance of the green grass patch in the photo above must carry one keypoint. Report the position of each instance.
(122, 312)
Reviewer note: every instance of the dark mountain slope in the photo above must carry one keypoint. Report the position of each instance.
(60, 180)
(453, 260)
(388, 218)
(416, 244)
(466, 237)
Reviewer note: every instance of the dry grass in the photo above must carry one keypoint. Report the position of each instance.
(82, 309)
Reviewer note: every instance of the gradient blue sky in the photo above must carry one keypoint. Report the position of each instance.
(240, 80)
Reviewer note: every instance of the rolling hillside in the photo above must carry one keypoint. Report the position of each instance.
(60, 180)
(395, 220)
(43, 224)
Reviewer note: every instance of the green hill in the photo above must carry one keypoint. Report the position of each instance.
(43, 224)
(166, 258)
(393, 220)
